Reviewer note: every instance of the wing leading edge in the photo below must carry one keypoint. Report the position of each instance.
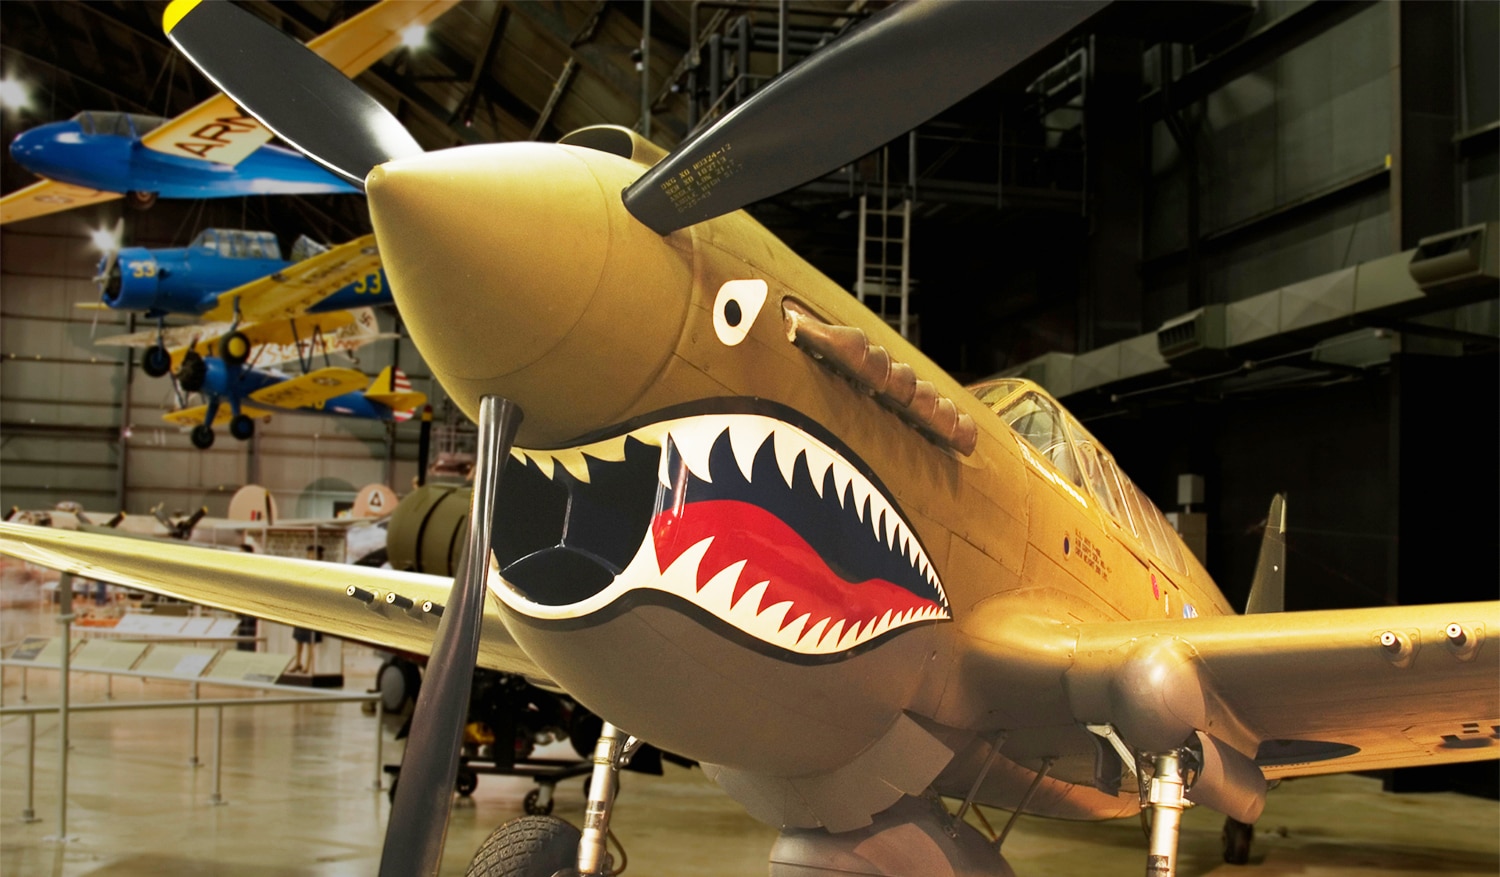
(305, 593)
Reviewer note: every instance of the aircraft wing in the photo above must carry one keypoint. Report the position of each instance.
(311, 389)
(306, 593)
(271, 344)
(291, 291)
(216, 130)
(48, 196)
(1306, 692)
(194, 415)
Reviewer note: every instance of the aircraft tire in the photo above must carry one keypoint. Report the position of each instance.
(203, 436)
(234, 349)
(399, 681)
(528, 846)
(1237, 837)
(241, 427)
(140, 200)
(467, 781)
(156, 361)
(192, 374)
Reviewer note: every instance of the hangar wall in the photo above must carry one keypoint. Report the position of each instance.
(80, 422)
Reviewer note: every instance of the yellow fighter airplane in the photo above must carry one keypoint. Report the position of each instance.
(746, 521)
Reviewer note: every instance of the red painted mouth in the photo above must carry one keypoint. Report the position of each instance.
(776, 554)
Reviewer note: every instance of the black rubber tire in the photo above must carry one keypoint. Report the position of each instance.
(528, 846)
(203, 436)
(193, 373)
(156, 361)
(532, 806)
(1237, 837)
(140, 200)
(234, 349)
(241, 427)
(467, 780)
(399, 681)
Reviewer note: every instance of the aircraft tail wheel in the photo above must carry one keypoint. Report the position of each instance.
(534, 804)
(235, 348)
(529, 846)
(140, 200)
(203, 436)
(1237, 837)
(241, 427)
(193, 373)
(156, 361)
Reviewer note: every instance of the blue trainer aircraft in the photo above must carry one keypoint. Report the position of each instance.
(239, 396)
(212, 151)
(239, 278)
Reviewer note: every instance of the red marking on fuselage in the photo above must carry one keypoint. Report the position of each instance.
(775, 553)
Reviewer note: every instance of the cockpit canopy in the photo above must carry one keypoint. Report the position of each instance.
(233, 243)
(1081, 460)
(121, 124)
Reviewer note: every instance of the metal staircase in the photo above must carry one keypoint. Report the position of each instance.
(883, 270)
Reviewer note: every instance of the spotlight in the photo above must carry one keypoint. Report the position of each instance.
(414, 36)
(14, 94)
(105, 239)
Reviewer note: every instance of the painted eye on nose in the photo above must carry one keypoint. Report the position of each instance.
(736, 307)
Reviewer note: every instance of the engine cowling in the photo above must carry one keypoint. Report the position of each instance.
(427, 529)
(138, 281)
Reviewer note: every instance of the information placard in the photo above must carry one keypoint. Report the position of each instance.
(249, 666)
(103, 654)
(44, 651)
(170, 660)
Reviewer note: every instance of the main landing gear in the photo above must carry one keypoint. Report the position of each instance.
(156, 361)
(545, 846)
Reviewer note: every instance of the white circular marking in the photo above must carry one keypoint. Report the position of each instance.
(736, 307)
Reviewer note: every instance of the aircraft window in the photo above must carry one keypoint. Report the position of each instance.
(1038, 422)
(208, 239)
(1093, 469)
(992, 393)
(122, 124)
(1112, 481)
(226, 245)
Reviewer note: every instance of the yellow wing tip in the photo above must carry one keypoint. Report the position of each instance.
(177, 10)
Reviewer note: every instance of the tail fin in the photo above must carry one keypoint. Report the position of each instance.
(392, 389)
(1268, 588)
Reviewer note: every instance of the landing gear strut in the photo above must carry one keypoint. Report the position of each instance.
(613, 751)
(1167, 803)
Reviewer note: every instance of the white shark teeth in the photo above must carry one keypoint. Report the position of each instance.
(573, 460)
(746, 436)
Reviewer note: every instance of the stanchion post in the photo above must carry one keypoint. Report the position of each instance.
(217, 799)
(64, 618)
(379, 741)
(29, 814)
(193, 760)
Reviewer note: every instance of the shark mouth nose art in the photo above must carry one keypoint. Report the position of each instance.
(742, 516)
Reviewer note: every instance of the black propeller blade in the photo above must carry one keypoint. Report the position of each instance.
(894, 72)
(305, 100)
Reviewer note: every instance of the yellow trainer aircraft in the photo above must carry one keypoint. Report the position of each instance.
(746, 521)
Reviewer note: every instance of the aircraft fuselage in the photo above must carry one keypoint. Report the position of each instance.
(722, 540)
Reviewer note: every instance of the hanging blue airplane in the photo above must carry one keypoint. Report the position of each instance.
(240, 396)
(104, 151)
(239, 277)
(211, 151)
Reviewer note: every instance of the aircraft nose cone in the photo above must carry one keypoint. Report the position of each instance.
(519, 273)
(493, 252)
